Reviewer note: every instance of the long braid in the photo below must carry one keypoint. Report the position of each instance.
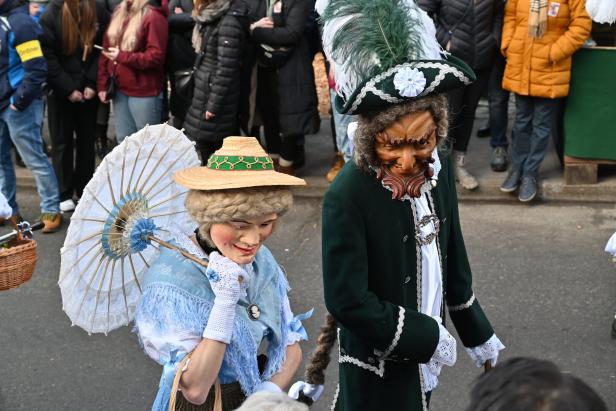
(315, 370)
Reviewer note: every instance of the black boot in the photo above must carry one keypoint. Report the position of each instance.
(100, 140)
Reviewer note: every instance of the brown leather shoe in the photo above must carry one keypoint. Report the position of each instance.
(338, 163)
(52, 222)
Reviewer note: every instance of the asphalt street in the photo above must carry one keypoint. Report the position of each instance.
(539, 271)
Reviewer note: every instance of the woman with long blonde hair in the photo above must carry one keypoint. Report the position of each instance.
(70, 30)
(132, 65)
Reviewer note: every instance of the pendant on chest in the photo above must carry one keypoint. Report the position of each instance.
(254, 312)
(425, 239)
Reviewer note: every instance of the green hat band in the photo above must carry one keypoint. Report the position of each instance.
(240, 163)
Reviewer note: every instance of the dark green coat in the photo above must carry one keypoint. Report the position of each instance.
(371, 289)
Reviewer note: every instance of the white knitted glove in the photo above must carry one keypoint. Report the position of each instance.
(445, 353)
(224, 276)
(311, 391)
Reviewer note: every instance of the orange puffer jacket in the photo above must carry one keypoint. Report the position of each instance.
(542, 67)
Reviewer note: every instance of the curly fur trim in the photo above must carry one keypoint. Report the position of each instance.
(220, 206)
(371, 123)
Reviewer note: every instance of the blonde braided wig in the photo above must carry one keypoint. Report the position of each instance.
(221, 206)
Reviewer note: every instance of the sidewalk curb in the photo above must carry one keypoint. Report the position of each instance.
(550, 191)
(489, 192)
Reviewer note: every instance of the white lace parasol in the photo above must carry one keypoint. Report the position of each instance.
(130, 199)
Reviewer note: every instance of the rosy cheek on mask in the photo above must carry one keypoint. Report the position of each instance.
(223, 236)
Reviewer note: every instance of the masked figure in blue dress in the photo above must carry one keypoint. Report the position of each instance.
(206, 326)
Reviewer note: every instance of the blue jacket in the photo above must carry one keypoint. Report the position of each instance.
(23, 69)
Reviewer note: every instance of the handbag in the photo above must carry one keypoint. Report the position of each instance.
(273, 57)
(184, 83)
(184, 80)
(112, 84)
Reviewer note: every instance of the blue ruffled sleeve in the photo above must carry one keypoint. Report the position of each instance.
(296, 331)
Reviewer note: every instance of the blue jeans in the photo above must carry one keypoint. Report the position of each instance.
(499, 104)
(341, 122)
(24, 129)
(531, 132)
(133, 113)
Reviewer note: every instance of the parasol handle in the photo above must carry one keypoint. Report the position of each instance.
(183, 252)
(178, 249)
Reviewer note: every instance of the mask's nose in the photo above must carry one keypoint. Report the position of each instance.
(407, 161)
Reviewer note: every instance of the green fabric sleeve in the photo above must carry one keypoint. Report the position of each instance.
(348, 296)
(471, 323)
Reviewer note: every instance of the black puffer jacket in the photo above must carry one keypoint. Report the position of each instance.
(298, 109)
(468, 29)
(67, 73)
(217, 88)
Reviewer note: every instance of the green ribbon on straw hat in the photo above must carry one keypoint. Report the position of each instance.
(240, 163)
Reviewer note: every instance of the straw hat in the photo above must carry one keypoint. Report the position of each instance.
(240, 162)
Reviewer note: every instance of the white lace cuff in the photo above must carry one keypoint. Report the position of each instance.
(486, 351)
(220, 323)
(445, 353)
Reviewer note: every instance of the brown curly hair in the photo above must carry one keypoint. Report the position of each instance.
(371, 123)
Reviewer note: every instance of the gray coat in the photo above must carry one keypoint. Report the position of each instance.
(468, 29)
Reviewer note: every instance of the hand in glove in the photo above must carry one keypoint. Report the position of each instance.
(224, 276)
(313, 392)
(445, 353)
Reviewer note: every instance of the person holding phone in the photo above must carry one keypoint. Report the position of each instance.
(134, 61)
(70, 30)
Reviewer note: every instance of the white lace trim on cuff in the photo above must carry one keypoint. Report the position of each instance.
(463, 306)
(445, 353)
(486, 351)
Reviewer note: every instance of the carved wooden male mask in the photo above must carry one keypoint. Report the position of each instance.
(405, 150)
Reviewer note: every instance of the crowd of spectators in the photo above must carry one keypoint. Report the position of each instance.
(228, 67)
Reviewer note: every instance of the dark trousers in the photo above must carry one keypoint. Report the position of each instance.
(499, 104)
(462, 105)
(531, 132)
(267, 103)
(72, 130)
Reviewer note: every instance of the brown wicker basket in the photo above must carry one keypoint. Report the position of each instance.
(17, 263)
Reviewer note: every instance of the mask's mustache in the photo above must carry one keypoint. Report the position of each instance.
(400, 186)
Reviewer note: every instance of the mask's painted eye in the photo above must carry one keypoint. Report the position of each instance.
(239, 225)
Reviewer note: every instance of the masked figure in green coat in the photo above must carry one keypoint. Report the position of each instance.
(394, 261)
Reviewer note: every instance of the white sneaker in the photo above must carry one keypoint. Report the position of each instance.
(67, 205)
(462, 175)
